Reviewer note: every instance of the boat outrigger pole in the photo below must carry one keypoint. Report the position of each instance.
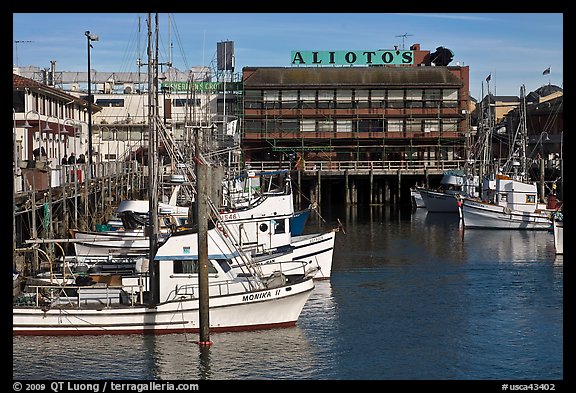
(153, 163)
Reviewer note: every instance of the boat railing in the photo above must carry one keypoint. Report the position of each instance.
(190, 290)
(105, 295)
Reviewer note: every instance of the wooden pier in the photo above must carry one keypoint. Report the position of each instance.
(50, 201)
(359, 182)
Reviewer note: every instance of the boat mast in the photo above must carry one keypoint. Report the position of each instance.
(153, 160)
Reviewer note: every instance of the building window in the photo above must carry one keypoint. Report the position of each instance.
(289, 99)
(413, 125)
(432, 98)
(253, 99)
(414, 98)
(344, 99)
(308, 99)
(378, 98)
(271, 99)
(107, 134)
(122, 135)
(325, 99)
(343, 125)
(182, 102)
(135, 135)
(395, 98)
(325, 125)
(362, 98)
(291, 125)
(449, 125)
(110, 102)
(431, 125)
(395, 125)
(272, 125)
(230, 104)
(450, 98)
(308, 125)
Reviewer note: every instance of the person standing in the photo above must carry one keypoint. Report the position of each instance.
(72, 158)
(64, 160)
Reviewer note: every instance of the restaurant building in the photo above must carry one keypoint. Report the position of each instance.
(407, 113)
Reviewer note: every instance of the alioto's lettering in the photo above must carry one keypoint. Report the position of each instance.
(361, 57)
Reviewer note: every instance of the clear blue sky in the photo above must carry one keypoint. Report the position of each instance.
(514, 48)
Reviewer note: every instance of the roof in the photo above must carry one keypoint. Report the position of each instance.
(350, 76)
(19, 82)
(546, 90)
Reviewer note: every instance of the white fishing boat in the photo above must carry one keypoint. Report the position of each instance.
(445, 198)
(439, 201)
(236, 303)
(515, 206)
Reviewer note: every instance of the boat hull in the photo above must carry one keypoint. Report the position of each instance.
(558, 236)
(317, 251)
(439, 202)
(476, 214)
(269, 308)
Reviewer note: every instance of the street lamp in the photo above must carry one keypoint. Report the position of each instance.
(15, 148)
(90, 37)
(49, 135)
(63, 129)
(28, 126)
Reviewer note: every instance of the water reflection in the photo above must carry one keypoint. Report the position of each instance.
(289, 353)
(509, 245)
(412, 296)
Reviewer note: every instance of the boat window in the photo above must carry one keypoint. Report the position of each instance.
(190, 266)
(279, 226)
(263, 227)
(224, 265)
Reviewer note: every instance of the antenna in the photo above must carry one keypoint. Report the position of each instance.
(403, 38)
(16, 42)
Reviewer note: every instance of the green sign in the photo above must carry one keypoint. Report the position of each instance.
(352, 57)
(200, 86)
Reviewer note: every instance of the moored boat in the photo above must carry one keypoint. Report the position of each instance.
(515, 206)
(236, 303)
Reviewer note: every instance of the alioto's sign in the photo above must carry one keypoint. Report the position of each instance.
(352, 57)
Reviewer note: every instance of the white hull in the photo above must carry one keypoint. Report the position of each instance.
(317, 251)
(104, 246)
(558, 236)
(417, 199)
(307, 253)
(476, 214)
(439, 202)
(277, 307)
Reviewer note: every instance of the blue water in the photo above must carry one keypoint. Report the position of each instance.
(412, 297)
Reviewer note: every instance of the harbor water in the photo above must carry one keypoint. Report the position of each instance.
(413, 296)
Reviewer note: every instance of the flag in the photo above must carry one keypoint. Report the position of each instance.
(488, 78)
(546, 71)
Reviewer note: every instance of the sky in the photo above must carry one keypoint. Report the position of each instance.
(513, 48)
